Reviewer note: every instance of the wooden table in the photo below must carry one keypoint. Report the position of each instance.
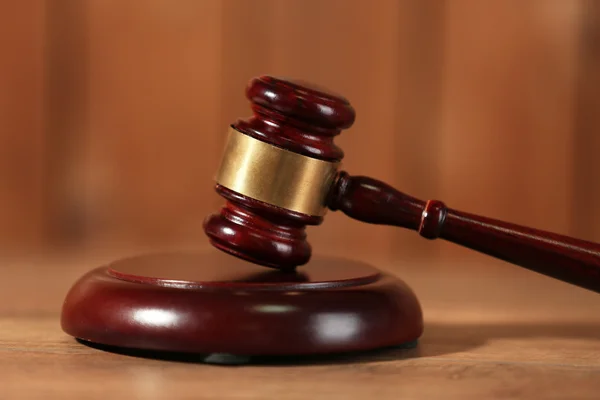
(492, 331)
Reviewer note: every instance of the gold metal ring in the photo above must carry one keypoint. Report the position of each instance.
(275, 176)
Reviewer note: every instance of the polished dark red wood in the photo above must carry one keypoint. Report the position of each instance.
(298, 117)
(259, 232)
(209, 302)
(565, 258)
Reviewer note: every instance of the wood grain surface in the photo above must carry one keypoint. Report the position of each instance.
(492, 331)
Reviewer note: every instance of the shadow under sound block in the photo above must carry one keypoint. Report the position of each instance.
(211, 303)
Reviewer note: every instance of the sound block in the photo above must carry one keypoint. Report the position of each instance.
(211, 303)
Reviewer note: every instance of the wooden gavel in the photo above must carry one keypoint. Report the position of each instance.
(280, 172)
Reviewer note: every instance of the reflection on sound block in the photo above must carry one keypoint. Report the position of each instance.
(219, 307)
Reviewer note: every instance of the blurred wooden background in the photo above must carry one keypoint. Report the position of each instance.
(113, 112)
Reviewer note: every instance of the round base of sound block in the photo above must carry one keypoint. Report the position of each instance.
(212, 303)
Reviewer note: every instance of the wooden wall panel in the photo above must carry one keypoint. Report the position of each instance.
(155, 104)
(66, 116)
(22, 25)
(417, 113)
(246, 51)
(586, 204)
(506, 146)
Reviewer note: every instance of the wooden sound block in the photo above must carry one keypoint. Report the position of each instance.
(212, 303)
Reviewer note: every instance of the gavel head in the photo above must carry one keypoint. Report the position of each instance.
(277, 170)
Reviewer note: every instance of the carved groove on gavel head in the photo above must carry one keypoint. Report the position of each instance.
(277, 171)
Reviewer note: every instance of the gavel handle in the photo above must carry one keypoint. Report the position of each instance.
(564, 258)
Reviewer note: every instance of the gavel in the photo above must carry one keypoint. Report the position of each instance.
(280, 172)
